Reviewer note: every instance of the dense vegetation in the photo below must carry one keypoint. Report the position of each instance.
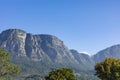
(7, 69)
(31, 70)
(109, 69)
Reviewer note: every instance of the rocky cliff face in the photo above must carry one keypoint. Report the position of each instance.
(14, 41)
(35, 47)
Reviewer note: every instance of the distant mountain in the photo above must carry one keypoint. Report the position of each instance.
(38, 54)
(83, 59)
(35, 47)
(113, 51)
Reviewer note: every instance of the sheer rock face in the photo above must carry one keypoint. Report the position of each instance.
(35, 47)
(13, 41)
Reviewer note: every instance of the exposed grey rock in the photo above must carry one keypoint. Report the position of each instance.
(35, 47)
(13, 40)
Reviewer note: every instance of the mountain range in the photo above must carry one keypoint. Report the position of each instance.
(40, 53)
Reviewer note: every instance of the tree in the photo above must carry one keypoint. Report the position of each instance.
(61, 74)
(6, 67)
(109, 69)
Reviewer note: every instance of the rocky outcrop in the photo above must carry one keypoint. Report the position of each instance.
(14, 41)
(35, 47)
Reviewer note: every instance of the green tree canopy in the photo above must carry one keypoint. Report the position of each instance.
(109, 69)
(61, 74)
(6, 67)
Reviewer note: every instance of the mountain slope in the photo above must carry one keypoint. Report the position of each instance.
(83, 59)
(37, 54)
(113, 51)
(35, 47)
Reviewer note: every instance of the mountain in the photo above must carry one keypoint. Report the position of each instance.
(83, 59)
(113, 51)
(38, 54)
(35, 47)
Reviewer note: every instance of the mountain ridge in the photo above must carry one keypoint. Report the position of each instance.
(18, 38)
(45, 52)
(112, 51)
(15, 38)
(19, 30)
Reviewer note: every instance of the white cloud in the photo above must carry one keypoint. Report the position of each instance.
(84, 52)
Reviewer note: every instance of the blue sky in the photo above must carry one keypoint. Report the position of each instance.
(84, 25)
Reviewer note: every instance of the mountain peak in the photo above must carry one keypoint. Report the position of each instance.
(36, 47)
(13, 30)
